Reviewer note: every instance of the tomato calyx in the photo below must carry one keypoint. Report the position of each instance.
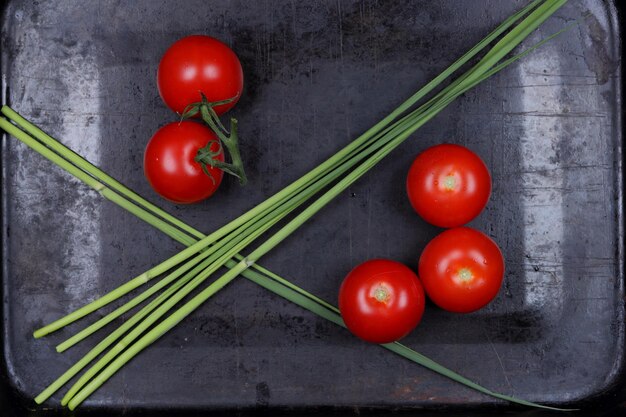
(208, 154)
(228, 140)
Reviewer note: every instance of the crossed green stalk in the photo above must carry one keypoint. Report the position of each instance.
(206, 254)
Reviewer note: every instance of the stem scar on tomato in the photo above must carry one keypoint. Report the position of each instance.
(465, 275)
(449, 182)
(381, 293)
(381, 300)
(472, 272)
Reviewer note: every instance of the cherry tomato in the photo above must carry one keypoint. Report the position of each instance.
(196, 64)
(448, 185)
(169, 164)
(381, 301)
(461, 270)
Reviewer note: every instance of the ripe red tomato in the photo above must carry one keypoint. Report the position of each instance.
(381, 301)
(169, 164)
(461, 270)
(448, 185)
(199, 64)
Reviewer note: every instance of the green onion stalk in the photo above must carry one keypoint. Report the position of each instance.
(390, 138)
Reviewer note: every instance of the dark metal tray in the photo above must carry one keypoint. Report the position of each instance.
(317, 74)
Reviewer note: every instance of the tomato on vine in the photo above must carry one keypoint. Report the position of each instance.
(199, 64)
(170, 164)
(200, 76)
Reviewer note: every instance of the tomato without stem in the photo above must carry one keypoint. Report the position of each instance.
(381, 301)
(170, 167)
(199, 64)
(448, 185)
(461, 270)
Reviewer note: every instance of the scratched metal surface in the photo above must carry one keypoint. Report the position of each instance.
(317, 74)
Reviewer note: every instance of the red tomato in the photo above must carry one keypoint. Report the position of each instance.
(381, 301)
(461, 270)
(169, 164)
(199, 64)
(448, 185)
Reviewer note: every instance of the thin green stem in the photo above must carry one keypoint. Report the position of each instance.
(232, 144)
(428, 363)
(230, 141)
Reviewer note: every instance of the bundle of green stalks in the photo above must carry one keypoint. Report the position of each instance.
(205, 254)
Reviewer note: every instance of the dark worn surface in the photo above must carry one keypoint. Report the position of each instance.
(317, 74)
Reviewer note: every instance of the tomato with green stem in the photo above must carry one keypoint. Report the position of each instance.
(461, 269)
(199, 64)
(230, 140)
(448, 185)
(381, 301)
(170, 164)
